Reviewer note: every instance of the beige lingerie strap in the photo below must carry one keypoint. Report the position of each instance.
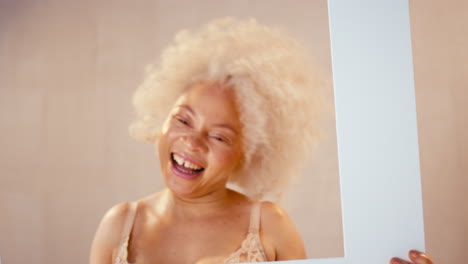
(251, 249)
(255, 218)
(122, 252)
(127, 229)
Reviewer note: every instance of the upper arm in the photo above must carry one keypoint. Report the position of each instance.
(108, 235)
(280, 233)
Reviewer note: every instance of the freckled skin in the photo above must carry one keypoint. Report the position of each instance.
(197, 220)
(204, 124)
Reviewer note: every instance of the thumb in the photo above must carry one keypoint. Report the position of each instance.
(419, 257)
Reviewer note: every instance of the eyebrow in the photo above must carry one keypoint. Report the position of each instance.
(226, 126)
(188, 108)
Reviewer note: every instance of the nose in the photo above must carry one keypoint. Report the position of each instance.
(194, 142)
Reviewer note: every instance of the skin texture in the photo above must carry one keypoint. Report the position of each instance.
(203, 126)
(197, 220)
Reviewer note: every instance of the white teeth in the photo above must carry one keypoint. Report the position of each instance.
(179, 160)
(190, 165)
(185, 163)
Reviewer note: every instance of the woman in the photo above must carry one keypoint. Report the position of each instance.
(232, 110)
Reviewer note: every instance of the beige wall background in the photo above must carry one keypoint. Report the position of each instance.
(440, 52)
(68, 70)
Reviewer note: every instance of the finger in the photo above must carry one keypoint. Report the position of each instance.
(399, 261)
(419, 257)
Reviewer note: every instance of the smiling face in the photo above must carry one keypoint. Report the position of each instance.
(200, 142)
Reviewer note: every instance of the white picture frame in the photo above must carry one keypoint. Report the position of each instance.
(376, 131)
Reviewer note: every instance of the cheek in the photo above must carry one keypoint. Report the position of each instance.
(164, 143)
(227, 158)
(168, 134)
(161, 149)
(167, 140)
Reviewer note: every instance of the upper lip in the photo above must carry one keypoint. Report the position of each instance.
(189, 158)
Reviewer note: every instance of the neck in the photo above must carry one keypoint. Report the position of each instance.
(195, 207)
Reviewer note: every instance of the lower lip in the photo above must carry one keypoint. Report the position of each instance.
(187, 176)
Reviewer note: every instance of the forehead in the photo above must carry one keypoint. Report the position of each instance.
(213, 101)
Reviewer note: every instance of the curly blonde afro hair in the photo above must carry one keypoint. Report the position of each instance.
(277, 93)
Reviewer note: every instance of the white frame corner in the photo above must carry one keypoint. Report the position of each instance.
(376, 131)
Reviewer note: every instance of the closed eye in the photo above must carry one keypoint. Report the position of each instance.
(221, 139)
(182, 120)
(218, 138)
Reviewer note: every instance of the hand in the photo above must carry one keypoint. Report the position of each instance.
(416, 258)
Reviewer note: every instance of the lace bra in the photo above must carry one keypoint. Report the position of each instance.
(251, 249)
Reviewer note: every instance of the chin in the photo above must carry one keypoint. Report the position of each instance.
(180, 186)
(181, 191)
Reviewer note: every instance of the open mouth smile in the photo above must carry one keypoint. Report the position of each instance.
(184, 168)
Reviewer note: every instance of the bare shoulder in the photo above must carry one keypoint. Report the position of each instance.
(108, 234)
(273, 211)
(274, 217)
(114, 219)
(280, 234)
